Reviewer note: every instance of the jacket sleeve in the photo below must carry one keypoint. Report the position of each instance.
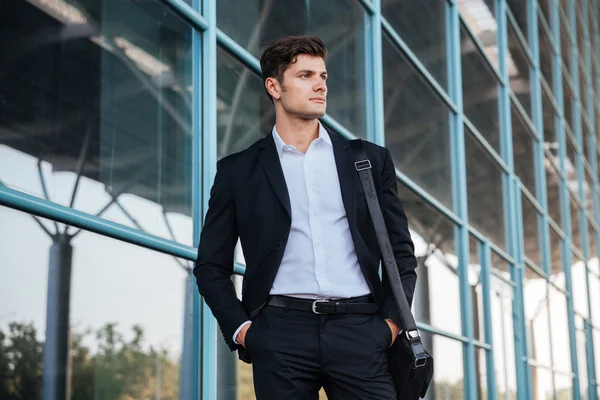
(214, 264)
(402, 244)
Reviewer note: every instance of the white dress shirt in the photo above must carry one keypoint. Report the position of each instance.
(319, 260)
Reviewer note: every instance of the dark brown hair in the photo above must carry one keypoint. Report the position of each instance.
(278, 55)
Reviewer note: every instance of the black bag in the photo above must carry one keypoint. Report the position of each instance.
(411, 365)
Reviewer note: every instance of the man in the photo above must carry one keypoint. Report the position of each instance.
(314, 312)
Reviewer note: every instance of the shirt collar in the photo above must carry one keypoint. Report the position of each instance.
(280, 144)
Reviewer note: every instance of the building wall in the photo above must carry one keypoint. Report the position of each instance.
(113, 115)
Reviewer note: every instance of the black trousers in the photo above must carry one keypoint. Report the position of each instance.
(295, 353)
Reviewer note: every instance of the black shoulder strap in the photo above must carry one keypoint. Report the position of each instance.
(363, 166)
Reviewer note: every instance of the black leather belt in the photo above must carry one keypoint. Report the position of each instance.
(353, 305)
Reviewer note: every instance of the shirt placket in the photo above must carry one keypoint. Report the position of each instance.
(311, 172)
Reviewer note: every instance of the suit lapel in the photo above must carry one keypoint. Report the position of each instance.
(344, 160)
(269, 160)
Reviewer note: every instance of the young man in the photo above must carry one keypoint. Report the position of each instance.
(314, 312)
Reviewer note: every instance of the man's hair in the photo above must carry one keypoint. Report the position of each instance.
(278, 55)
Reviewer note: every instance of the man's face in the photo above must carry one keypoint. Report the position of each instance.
(304, 89)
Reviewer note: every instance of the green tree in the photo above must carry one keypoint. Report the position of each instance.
(21, 358)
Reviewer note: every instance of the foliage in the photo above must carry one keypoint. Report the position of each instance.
(117, 369)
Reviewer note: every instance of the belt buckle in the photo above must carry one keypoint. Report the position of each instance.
(314, 305)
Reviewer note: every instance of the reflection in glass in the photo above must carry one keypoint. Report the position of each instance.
(503, 337)
(417, 131)
(575, 233)
(535, 292)
(97, 110)
(339, 23)
(429, 45)
(580, 289)
(565, 41)
(571, 166)
(568, 102)
(518, 9)
(122, 317)
(436, 300)
(546, 54)
(531, 233)
(476, 289)
(523, 153)
(519, 70)
(557, 275)
(244, 112)
(559, 330)
(448, 378)
(581, 358)
(480, 91)
(542, 383)
(484, 191)
(553, 191)
(481, 383)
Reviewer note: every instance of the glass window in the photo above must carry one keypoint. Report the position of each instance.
(557, 275)
(416, 125)
(559, 330)
(576, 234)
(582, 358)
(244, 112)
(553, 192)
(481, 384)
(580, 292)
(429, 45)
(537, 323)
(523, 150)
(571, 165)
(97, 110)
(480, 91)
(341, 26)
(519, 70)
(568, 102)
(437, 300)
(448, 378)
(475, 279)
(518, 10)
(122, 315)
(531, 233)
(484, 191)
(546, 54)
(545, 7)
(595, 298)
(503, 337)
(565, 42)
(592, 238)
(543, 386)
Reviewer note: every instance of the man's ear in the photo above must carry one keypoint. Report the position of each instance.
(273, 87)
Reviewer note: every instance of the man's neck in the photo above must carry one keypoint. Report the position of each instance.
(297, 132)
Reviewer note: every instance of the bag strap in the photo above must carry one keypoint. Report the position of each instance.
(363, 167)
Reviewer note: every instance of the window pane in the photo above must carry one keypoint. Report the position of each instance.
(565, 41)
(105, 112)
(416, 119)
(557, 276)
(546, 54)
(531, 221)
(503, 336)
(580, 292)
(437, 301)
(484, 191)
(592, 240)
(339, 23)
(571, 166)
(519, 11)
(559, 330)
(550, 124)
(448, 378)
(244, 113)
(408, 19)
(535, 290)
(523, 151)
(595, 298)
(481, 384)
(576, 234)
(480, 91)
(581, 359)
(543, 387)
(519, 70)
(568, 101)
(120, 315)
(553, 194)
(475, 279)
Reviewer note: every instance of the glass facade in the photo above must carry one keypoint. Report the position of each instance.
(113, 115)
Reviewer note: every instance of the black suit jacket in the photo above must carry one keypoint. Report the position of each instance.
(249, 199)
